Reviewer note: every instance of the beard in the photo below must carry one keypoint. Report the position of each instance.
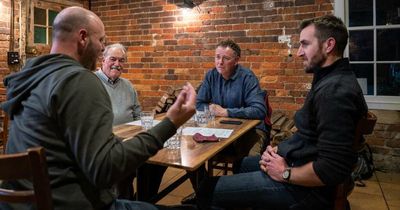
(315, 62)
(89, 57)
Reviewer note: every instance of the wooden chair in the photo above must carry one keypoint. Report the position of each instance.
(30, 165)
(364, 127)
(225, 162)
(222, 162)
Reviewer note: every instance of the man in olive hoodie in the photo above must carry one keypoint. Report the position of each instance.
(56, 102)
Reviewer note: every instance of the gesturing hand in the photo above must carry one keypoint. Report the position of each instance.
(184, 106)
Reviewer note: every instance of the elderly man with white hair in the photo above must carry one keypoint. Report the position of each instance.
(124, 99)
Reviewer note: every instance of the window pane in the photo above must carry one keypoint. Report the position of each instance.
(388, 79)
(387, 12)
(388, 45)
(52, 15)
(40, 35)
(360, 13)
(50, 35)
(40, 16)
(365, 77)
(361, 45)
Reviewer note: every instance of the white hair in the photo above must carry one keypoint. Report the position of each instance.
(112, 46)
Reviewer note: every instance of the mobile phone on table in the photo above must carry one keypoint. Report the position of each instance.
(233, 122)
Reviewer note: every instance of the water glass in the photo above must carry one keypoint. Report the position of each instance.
(201, 118)
(175, 141)
(146, 119)
(206, 109)
(210, 114)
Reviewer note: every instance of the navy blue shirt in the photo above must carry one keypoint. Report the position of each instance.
(241, 94)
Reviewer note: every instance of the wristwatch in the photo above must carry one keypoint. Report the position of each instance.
(286, 173)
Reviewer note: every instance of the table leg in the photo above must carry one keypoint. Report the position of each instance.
(141, 183)
(145, 180)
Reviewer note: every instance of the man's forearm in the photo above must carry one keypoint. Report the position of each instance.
(305, 176)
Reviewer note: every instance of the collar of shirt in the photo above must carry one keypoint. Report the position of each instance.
(113, 82)
(321, 72)
(105, 78)
(235, 73)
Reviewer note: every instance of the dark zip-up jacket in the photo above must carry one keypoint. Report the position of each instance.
(56, 103)
(326, 127)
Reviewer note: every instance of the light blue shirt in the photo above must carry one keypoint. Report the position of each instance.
(124, 99)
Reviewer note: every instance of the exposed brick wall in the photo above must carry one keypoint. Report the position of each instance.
(165, 50)
(385, 140)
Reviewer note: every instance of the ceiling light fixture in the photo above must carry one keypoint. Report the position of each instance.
(190, 5)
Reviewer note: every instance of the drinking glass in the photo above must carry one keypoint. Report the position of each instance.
(146, 119)
(211, 116)
(175, 141)
(201, 118)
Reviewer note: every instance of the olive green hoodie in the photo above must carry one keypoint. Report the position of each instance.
(56, 103)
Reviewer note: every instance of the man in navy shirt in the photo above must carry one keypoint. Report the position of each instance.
(231, 90)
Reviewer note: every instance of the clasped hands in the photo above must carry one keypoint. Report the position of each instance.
(218, 110)
(273, 164)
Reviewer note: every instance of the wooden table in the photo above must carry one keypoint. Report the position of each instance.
(191, 155)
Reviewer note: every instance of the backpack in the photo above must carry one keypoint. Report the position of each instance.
(364, 167)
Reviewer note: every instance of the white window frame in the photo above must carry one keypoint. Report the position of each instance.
(374, 102)
(55, 5)
(48, 26)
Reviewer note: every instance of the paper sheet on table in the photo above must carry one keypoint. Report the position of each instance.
(137, 122)
(218, 132)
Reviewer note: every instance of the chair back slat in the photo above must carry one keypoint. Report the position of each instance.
(9, 169)
(12, 196)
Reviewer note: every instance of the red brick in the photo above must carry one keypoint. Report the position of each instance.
(300, 100)
(288, 106)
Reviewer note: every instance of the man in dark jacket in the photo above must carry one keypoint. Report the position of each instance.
(56, 102)
(302, 172)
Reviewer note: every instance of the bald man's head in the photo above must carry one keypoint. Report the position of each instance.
(71, 19)
(78, 33)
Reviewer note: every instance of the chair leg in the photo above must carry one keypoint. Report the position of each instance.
(225, 168)
(347, 205)
(210, 168)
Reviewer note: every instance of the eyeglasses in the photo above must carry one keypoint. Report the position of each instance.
(114, 59)
(224, 58)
